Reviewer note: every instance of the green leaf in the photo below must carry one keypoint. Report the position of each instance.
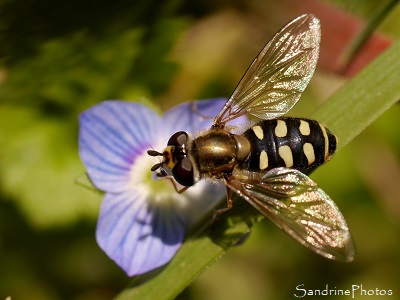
(38, 163)
(364, 98)
(347, 113)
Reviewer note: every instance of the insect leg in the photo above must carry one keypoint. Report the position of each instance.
(229, 204)
(173, 182)
(179, 191)
(195, 109)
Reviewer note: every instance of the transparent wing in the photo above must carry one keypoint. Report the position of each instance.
(296, 205)
(278, 75)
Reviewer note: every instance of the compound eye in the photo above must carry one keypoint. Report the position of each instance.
(178, 139)
(183, 172)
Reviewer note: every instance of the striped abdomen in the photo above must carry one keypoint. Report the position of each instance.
(288, 142)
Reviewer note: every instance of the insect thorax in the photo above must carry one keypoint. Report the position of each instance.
(218, 152)
(214, 152)
(288, 142)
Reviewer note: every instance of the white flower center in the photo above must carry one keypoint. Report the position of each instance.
(191, 204)
(160, 191)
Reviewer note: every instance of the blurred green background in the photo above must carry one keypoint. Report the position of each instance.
(58, 59)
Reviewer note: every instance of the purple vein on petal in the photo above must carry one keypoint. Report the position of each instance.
(112, 150)
(145, 242)
(140, 235)
(136, 222)
(118, 234)
(112, 144)
(166, 237)
(138, 121)
(105, 174)
(132, 125)
(109, 137)
(153, 250)
(119, 115)
(115, 211)
(148, 126)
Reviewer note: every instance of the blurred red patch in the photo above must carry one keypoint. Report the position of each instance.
(339, 29)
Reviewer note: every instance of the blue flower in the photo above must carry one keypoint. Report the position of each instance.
(142, 220)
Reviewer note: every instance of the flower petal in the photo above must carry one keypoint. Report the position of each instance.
(198, 115)
(193, 116)
(199, 200)
(112, 134)
(138, 235)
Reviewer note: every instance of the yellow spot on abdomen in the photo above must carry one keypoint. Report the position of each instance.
(258, 132)
(281, 129)
(308, 150)
(304, 127)
(326, 150)
(286, 154)
(263, 160)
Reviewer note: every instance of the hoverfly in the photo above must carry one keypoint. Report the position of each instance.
(264, 165)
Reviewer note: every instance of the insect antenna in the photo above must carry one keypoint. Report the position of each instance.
(156, 166)
(154, 153)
